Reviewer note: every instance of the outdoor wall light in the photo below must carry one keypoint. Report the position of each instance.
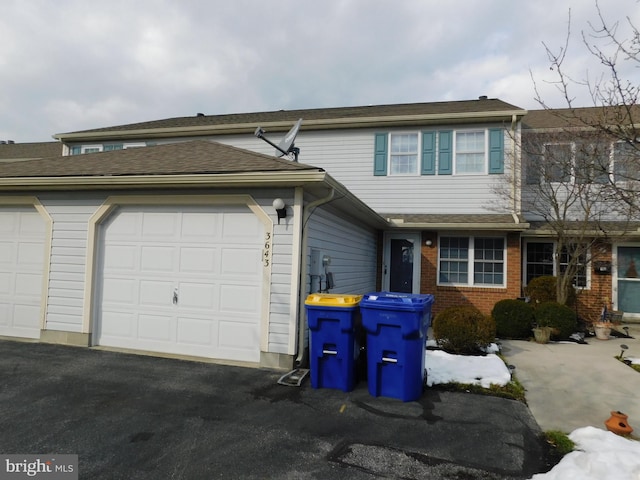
(428, 243)
(281, 208)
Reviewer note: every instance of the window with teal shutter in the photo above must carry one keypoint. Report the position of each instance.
(428, 153)
(496, 150)
(445, 153)
(380, 155)
(75, 150)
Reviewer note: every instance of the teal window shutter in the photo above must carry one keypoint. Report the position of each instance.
(496, 150)
(428, 153)
(445, 152)
(380, 156)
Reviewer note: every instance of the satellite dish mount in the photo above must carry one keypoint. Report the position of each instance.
(286, 145)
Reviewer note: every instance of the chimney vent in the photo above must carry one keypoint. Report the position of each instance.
(482, 97)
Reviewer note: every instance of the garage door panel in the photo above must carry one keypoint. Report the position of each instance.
(118, 324)
(5, 318)
(240, 261)
(194, 331)
(24, 315)
(31, 224)
(120, 291)
(156, 293)
(7, 253)
(156, 328)
(30, 254)
(197, 260)
(240, 298)
(158, 259)
(119, 258)
(6, 283)
(29, 284)
(239, 341)
(123, 226)
(197, 295)
(159, 225)
(200, 227)
(246, 227)
(210, 256)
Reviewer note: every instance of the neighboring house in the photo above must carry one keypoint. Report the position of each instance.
(142, 244)
(583, 163)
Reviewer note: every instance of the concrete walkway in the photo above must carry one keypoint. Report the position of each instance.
(572, 385)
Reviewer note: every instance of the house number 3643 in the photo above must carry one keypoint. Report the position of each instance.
(266, 252)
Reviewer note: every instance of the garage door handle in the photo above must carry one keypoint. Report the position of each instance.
(175, 296)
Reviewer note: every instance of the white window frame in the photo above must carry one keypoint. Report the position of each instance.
(613, 162)
(485, 133)
(84, 148)
(390, 154)
(471, 261)
(587, 265)
(573, 177)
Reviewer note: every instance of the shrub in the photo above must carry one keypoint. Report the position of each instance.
(544, 289)
(514, 318)
(541, 290)
(560, 318)
(463, 330)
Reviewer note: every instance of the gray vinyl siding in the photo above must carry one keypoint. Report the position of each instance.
(68, 260)
(352, 248)
(348, 156)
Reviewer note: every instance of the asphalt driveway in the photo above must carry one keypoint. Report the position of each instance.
(137, 417)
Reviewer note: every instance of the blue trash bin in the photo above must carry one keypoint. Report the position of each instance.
(396, 325)
(333, 350)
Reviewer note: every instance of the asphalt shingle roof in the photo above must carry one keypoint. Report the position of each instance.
(433, 108)
(580, 117)
(26, 151)
(194, 157)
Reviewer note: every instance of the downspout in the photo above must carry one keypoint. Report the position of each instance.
(514, 189)
(304, 273)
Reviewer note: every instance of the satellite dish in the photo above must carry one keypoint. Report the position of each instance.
(286, 145)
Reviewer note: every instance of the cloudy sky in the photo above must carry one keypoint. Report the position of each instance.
(68, 65)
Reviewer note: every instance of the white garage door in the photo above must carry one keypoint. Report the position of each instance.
(22, 244)
(184, 280)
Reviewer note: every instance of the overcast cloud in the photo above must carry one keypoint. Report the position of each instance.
(69, 65)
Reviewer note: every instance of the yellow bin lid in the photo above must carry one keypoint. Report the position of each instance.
(333, 300)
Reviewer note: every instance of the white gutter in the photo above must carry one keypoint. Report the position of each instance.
(280, 179)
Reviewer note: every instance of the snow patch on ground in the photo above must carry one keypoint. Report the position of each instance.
(443, 367)
(599, 455)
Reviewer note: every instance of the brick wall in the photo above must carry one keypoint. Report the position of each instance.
(482, 298)
(590, 302)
